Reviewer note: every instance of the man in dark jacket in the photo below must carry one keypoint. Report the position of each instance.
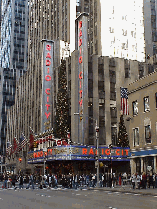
(13, 178)
(5, 181)
(21, 182)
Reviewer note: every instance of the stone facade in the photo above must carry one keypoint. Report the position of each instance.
(142, 123)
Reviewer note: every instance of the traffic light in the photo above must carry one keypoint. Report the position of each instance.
(81, 118)
(35, 145)
(20, 159)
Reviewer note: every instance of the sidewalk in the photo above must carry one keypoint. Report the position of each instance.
(128, 189)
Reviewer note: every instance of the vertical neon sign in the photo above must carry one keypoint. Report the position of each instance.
(82, 47)
(47, 85)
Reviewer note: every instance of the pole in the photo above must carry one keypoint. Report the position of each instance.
(110, 146)
(111, 167)
(1, 165)
(44, 166)
(97, 147)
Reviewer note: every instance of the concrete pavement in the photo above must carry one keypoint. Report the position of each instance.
(129, 189)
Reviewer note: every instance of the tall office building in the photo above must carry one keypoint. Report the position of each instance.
(13, 55)
(124, 29)
(14, 35)
(7, 99)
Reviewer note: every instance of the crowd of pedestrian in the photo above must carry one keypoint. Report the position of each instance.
(10, 180)
(74, 180)
(55, 180)
(144, 181)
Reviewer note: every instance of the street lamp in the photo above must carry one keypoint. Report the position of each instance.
(44, 150)
(97, 147)
(110, 147)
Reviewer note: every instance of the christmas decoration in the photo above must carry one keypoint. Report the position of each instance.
(62, 124)
(122, 134)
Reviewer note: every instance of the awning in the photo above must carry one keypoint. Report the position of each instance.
(143, 153)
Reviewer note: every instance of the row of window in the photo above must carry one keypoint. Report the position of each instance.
(146, 105)
(136, 135)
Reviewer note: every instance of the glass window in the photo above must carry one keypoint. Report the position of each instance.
(148, 134)
(136, 136)
(146, 104)
(135, 107)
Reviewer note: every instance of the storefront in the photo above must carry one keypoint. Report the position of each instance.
(79, 159)
(143, 161)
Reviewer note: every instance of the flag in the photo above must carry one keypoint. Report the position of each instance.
(8, 148)
(22, 142)
(15, 145)
(64, 142)
(124, 101)
(31, 140)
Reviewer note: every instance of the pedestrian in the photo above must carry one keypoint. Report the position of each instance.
(21, 182)
(150, 182)
(49, 180)
(133, 179)
(5, 181)
(114, 180)
(32, 180)
(120, 179)
(155, 180)
(76, 181)
(144, 180)
(138, 180)
(13, 180)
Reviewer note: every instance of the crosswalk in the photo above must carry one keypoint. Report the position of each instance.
(109, 192)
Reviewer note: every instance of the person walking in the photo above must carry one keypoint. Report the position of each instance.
(150, 182)
(21, 182)
(138, 180)
(5, 181)
(13, 180)
(76, 181)
(32, 180)
(120, 179)
(144, 180)
(133, 179)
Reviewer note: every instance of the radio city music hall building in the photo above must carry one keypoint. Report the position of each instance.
(93, 85)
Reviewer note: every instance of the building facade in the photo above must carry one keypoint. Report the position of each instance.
(14, 35)
(13, 55)
(93, 81)
(127, 31)
(142, 124)
(7, 97)
(105, 77)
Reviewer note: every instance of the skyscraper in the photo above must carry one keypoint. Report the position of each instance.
(14, 32)
(13, 55)
(125, 29)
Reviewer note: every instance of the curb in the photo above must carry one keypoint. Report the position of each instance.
(125, 191)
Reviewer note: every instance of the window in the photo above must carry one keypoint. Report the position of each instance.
(135, 107)
(136, 137)
(156, 99)
(146, 104)
(148, 134)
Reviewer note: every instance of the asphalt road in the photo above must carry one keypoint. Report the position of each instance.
(67, 198)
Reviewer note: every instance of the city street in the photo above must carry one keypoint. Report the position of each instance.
(68, 198)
